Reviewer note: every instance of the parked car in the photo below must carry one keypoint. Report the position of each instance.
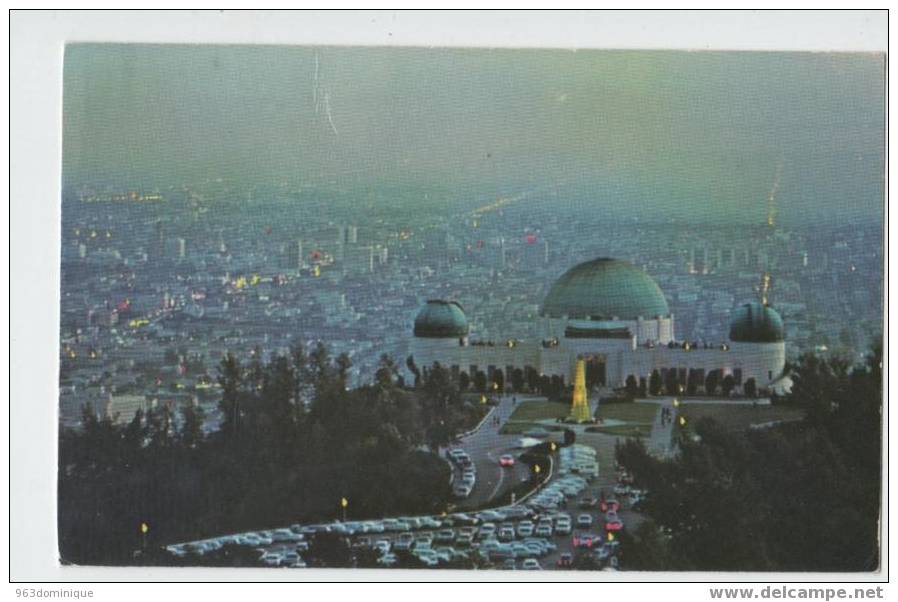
(543, 530)
(462, 490)
(531, 564)
(444, 536)
(404, 541)
(506, 533)
(525, 528)
(563, 526)
(464, 539)
(487, 531)
(428, 522)
(565, 560)
(614, 525)
(586, 540)
(584, 520)
(506, 460)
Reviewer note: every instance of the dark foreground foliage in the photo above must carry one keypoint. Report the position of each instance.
(801, 496)
(292, 443)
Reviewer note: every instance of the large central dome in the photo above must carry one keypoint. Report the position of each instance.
(603, 289)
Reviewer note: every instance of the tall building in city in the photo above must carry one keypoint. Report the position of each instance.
(615, 318)
(158, 244)
(293, 257)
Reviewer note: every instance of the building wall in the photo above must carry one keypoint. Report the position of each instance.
(448, 352)
(658, 330)
(762, 361)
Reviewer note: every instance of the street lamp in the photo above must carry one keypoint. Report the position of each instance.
(344, 503)
(144, 529)
(682, 421)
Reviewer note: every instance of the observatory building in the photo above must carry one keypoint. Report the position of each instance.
(615, 317)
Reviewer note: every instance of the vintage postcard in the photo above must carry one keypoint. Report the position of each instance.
(471, 308)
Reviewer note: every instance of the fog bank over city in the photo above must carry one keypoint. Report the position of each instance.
(699, 135)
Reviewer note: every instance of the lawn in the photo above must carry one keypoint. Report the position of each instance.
(740, 417)
(539, 410)
(640, 413)
(519, 428)
(623, 430)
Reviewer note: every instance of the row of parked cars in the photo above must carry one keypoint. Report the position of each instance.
(290, 544)
(465, 472)
(447, 545)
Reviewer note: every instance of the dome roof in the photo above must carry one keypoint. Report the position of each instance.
(756, 323)
(438, 319)
(605, 288)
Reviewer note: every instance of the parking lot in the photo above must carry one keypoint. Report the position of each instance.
(569, 514)
(546, 531)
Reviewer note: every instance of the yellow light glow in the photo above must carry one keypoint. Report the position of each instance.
(344, 502)
(682, 421)
(144, 528)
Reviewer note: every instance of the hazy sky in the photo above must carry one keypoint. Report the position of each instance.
(690, 131)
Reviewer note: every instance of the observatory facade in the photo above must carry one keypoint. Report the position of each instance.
(616, 318)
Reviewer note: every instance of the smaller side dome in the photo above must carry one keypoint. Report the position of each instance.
(756, 323)
(441, 319)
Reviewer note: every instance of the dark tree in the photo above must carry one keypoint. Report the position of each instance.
(480, 381)
(191, 434)
(517, 380)
(693, 382)
(464, 381)
(671, 382)
(711, 382)
(413, 368)
(631, 386)
(710, 502)
(499, 380)
(532, 378)
(728, 384)
(231, 380)
(655, 383)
